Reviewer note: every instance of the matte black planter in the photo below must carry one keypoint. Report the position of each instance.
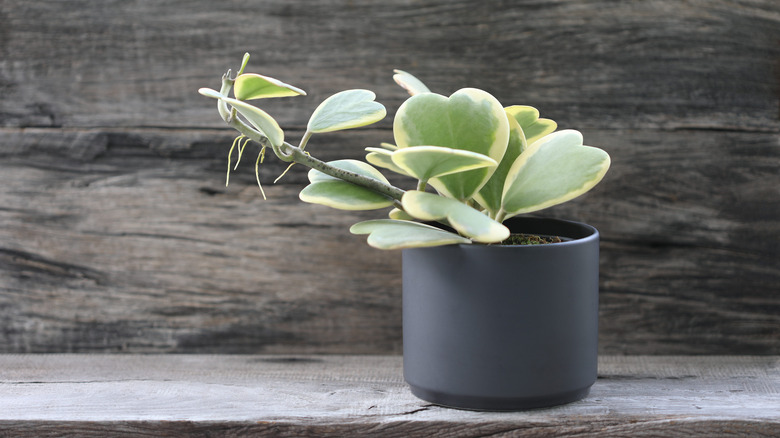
(503, 327)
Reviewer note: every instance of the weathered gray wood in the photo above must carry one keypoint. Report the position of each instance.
(97, 395)
(134, 244)
(596, 63)
(116, 233)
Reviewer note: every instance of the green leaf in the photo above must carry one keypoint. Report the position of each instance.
(244, 62)
(343, 196)
(346, 110)
(426, 162)
(489, 195)
(253, 86)
(394, 234)
(264, 123)
(464, 219)
(554, 169)
(525, 128)
(533, 127)
(336, 193)
(409, 82)
(469, 119)
(381, 157)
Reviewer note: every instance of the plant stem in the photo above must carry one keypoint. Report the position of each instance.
(370, 183)
(305, 140)
(227, 84)
(289, 153)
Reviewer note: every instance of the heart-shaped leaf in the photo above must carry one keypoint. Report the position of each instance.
(346, 110)
(554, 169)
(264, 123)
(464, 219)
(489, 195)
(336, 193)
(395, 234)
(254, 86)
(524, 121)
(533, 127)
(409, 83)
(469, 119)
(426, 162)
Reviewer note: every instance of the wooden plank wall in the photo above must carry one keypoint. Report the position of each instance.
(117, 233)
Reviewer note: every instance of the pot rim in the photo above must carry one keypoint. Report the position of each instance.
(580, 233)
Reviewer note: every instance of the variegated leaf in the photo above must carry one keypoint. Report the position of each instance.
(525, 128)
(395, 234)
(346, 110)
(409, 83)
(264, 123)
(464, 219)
(343, 196)
(426, 162)
(469, 119)
(554, 169)
(533, 127)
(254, 86)
(381, 157)
(336, 193)
(489, 196)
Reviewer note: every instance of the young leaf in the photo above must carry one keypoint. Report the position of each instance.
(554, 169)
(264, 123)
(533, 127)
(469, 119)
(409, 82)
(253, 86)
(426, 162)
(208, 92)
(395, 234)
(464, 219)
(346, 110)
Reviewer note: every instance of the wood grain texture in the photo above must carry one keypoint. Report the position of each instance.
(95, 395)
(117, 233)
(138, 246)
(659, 63)
(142, 248)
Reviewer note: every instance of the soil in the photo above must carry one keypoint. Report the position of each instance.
(530, 239)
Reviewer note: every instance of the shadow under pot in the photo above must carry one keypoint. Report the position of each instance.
(500, 327)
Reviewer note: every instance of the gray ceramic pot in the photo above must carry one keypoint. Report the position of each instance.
(503, 327)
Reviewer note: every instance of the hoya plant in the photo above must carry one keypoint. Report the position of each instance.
(472, 162)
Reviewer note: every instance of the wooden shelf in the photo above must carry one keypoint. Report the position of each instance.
(236, 395)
